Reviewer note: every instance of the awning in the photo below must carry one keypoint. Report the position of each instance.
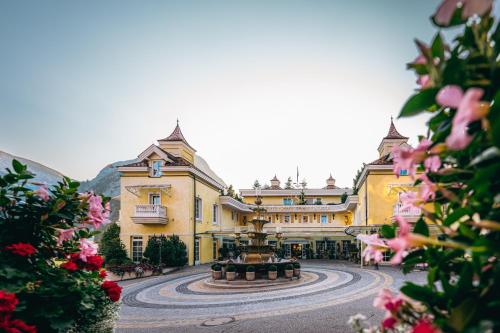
(135, 189)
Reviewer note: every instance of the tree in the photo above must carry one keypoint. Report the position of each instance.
(343, 198)
(356, 179)
(256, 184)
(266, 187)
(289, 184)
(169, 251)
(230, 191)
(112, 247)
(303, 184)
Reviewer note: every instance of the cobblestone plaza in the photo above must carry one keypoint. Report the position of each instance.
(321, 301)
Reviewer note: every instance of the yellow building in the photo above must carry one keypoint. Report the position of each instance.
(171, 190)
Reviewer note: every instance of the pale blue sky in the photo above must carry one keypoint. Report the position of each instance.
(259, 86)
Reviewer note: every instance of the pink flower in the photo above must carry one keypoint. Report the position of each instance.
(401, 243)
(375, 248)
(427, 188)
(424, 326)
(403, 160)
(469, 109)
(409, 200)
(97, 214)
(386, 300)
(87, 248)
(65, 235)
(424, 81)
(432, 163)
(43, 192)
(447, 8)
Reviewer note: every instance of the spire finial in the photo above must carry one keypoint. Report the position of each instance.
(178, 121)
(391, 119)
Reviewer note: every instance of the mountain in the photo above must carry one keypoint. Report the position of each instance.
(43, 174)
(107, 181)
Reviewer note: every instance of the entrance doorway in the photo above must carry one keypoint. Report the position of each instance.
(296, 250)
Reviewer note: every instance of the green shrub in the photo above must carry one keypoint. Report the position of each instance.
(112, 248)
(289, 267)
(296, 265)
(231, 268)
(272, 268)
(216, 267)
(250, 269)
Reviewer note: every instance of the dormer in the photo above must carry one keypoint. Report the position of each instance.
(177, 145)
(275, 183)
(330, 183)
(391, 140)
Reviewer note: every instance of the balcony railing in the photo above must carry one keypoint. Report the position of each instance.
(150, 214)
(412, 211)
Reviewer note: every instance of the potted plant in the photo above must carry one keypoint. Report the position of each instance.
(296, 269)
(216, 271)
(289, 271)
(272, 272)
(230, 272)
(250, 274)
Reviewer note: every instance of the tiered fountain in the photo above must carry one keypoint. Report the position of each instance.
(257, 253)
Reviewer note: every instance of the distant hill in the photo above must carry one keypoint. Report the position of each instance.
(107, 181)
(43, 174)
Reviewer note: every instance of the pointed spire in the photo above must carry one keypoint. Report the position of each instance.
(393, 132)
(331, 177)
(176, 135)
(275, 178)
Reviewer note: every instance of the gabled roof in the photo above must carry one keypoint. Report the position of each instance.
(393, 133)
(384, 160)
(177, 136)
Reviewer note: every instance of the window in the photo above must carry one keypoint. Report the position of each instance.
(324, 219)
(215, 214)
(136, 248)
(403, 172)
(198, 207)
(154, 199)
(156, 169)
(214, 249)
(286, 218)
(305, 218)
(196, 251)
(232, 215)
(287, 202)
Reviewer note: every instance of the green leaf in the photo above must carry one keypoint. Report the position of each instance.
(437, 47)
(494, 118)
(387, 231)
(419, 102)
(456, 215)
(18, 166)
(419, 293)
(461, 315)
(421, 227)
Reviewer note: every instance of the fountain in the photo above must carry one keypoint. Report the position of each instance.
(257, 253)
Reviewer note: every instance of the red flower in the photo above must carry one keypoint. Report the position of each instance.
(112, 289)
(70, 266)
(424, 326)
(389, 322)
(94, 263)
(103, 274)
(8, 301)
(22, 249)
(15, 326)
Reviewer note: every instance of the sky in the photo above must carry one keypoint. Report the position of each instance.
(259, 87)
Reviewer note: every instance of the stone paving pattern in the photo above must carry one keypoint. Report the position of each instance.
(322, 301)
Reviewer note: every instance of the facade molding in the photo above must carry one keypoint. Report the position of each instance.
(296, 192)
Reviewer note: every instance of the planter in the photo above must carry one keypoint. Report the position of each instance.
(216, 275)
(250, 276)
(230, 276)
(296, 272)
(288, 273)
(272, 275)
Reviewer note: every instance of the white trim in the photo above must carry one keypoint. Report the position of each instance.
(368, 168)
(200, 209)
(153, 149)
(234, 204)
(129, 168)
(294, 192)
(196, 172)
(216, 216)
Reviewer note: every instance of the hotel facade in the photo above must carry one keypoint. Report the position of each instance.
(170, 190)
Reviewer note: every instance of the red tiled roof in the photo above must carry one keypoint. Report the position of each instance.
(177, 136)
(393, 133)
(384, 160)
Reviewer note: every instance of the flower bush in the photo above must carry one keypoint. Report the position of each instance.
(51, 277)
(456, 168)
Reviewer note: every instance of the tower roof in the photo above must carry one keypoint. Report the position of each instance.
(393, 133)
(330, 178)
(176, 136)
(275, 178)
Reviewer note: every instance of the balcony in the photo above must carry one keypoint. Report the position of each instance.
(150, 214)
(411, 214)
